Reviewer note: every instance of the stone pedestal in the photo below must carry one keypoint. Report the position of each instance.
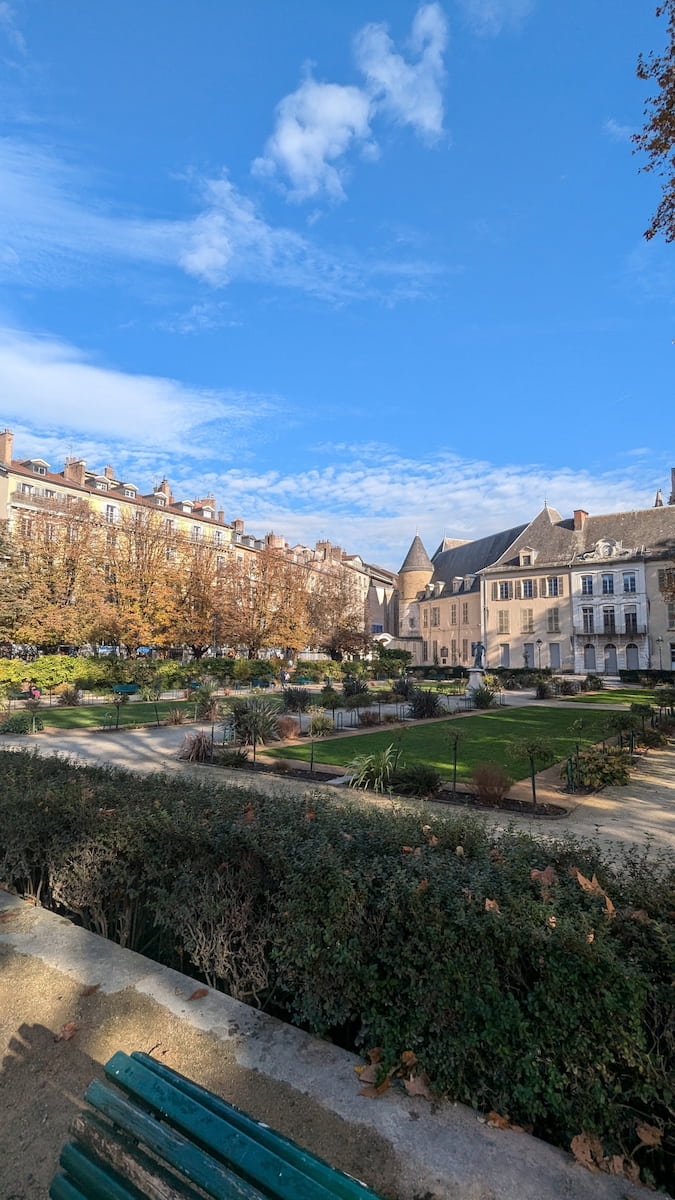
(475, 680)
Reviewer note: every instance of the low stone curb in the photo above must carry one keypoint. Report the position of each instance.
(440, 1152)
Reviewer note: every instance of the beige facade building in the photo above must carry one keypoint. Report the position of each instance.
(29, 487)
(578, 594)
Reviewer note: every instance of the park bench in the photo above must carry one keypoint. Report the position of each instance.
(125, 689)
(261, 683)
(19, 696)
(159, 1135)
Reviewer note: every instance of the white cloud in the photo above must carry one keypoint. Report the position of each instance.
(488, 18)
(373, 503)
(55, 231)
(319, 123)
(617, 132)
(410, 92)
(9, 27)
(315, 127)
(50, 385)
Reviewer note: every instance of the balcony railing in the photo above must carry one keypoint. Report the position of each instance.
(605, 634)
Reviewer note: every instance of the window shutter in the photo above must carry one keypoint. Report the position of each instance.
(518, 589)
(495, 592)
(510, 589)
(561, 579)
(534, 589)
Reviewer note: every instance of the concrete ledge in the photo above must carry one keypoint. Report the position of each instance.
(402, 1146)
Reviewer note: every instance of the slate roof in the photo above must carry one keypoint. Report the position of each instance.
(473, 556)
(417, 558)
(647, 532)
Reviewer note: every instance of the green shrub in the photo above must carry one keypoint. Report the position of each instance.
(594, 683)
(416, 780)
(652, 739)
(359, 700)
(543, 690)
(320, 726)
(255, 720)
(70, 696)
(596, 768)
(330, 698)
(483, 696)
(296, 699)
(425, 705)
(368, 719)
(404, 688)
(354, 687)
(234, 759)
(22, 722)
(366, 926)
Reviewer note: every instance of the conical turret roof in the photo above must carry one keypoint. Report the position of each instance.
(417, 558)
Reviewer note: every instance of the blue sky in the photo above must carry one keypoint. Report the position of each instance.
(356, 269)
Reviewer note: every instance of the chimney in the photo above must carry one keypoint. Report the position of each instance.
(579, 518)
(108, 472)
(238, 525)
(6, 447)
(672, 486)
(74, 470)
(221, 516)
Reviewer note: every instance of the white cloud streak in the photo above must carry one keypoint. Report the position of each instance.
(317, 125)
(46, 383)
(489, 18)
(10, 29)
(54, 231)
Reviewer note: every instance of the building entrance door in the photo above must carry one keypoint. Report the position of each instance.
(589, 658)
(632, 657)
(611, 665)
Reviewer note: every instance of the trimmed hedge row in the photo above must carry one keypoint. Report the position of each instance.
(534, 997)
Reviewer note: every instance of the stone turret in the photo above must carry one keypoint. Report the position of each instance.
(413, 577)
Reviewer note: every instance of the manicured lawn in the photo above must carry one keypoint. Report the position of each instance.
(92, 716)
(615, 696)
(485, 739)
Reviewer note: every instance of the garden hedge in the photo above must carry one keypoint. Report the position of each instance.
(529, 977)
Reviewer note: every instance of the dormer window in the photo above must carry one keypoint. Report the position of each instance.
(160, 501)
(527, 556)
(101, 486)
(130, 492)
(40, 470)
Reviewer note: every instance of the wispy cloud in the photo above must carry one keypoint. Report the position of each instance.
(617, 132)
(318, 124)
(373, 502)
(49, 384)
(55, 228)
(10, 29)
(489, 18)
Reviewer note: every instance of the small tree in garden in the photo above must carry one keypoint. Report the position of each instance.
(455, 736)
(539, 753)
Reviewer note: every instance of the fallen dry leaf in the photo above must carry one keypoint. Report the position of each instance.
(199, 994)
(310, 814)
(492, 906)
(609, 909)
(547, 877)
(423, 886)
(89, 991)
(408, 1058)
(649, 1135)
(9, 914)
(589, 885)
(639, 915)
(371, 1091)
(587, 1149)
(497, 1122)
(367, 1074)
(459, 851)
(615, 1165)
(551, 922)
(418, 1086)
(433, 840)
(376, 1054)
(67, 1032)
(249, 814)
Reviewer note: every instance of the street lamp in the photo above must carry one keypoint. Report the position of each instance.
(659, 642)
(539, 646)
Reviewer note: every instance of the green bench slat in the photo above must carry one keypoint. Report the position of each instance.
(96, 1183)
(173, 1147)
(255, 1162)
(62, 1189)
(339, 1184)
(112, 1149)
